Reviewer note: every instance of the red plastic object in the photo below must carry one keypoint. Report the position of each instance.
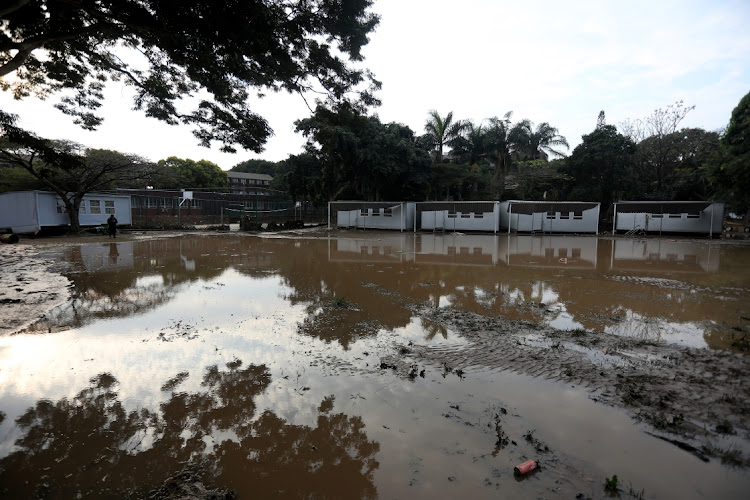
(525, 467)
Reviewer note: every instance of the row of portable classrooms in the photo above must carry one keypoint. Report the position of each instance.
(528, 216)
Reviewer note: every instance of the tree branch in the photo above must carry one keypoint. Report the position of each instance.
(12, 7)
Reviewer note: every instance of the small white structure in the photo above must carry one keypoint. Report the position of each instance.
(701, 217)
(372, 215)
(550, 216)
(30, 211)
(459, 216)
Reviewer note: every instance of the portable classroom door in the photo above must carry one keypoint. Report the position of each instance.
(537, 221)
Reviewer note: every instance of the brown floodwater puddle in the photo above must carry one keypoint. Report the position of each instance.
(260, 360)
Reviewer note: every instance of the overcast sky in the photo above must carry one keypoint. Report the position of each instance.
(559, 62)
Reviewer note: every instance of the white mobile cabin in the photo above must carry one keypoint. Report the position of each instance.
(694, 217)
(391, 215)
(455, 216)
(550, 216)
(31, 211)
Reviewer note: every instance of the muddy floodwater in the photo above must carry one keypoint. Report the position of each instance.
(374, 365)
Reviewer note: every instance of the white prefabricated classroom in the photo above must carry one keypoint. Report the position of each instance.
(550, 216)
(372, 215)
(698, 217)
(455, 216)
(30, 211)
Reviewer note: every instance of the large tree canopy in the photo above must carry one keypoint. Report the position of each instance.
(353, 155)
(192, 174)
(731, 174)
(601, 166)
(190, 61)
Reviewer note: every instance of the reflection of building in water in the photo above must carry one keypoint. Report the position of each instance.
(391, 249)
(658, 254)
(549, 251)
(467, 250)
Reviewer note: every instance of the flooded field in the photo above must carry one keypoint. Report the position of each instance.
(375, 365)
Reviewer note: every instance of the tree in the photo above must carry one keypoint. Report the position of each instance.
(730, 176)
(601, 120)
(533, 144)
(176, 54)
(440, 131)
(654, 131)
(469, 144)
(194, 174)
(257, 166)
(360, 157)
(601, 166)
(67, 168)
(499, 144)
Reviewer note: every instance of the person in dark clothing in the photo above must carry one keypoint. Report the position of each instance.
(112, 226)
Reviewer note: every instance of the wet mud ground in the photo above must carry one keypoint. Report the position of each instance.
(374, 365)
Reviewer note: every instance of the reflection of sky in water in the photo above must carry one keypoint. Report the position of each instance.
(656, 329)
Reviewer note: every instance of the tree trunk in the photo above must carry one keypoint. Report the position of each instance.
(71, 206)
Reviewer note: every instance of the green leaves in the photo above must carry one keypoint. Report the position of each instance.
(168, 50)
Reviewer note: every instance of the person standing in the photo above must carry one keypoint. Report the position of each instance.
(112, 221)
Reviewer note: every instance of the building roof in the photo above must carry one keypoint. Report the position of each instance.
(245, 175)
(661, 207)
(535, 207)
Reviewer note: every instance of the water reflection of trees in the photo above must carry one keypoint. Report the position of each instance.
(90, 445)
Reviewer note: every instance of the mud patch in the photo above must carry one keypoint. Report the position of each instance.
(680, 392)
(27, 289)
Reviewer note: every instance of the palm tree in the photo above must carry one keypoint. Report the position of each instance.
(534, 144)
(498, 147)
(469, 143)
(440, 131)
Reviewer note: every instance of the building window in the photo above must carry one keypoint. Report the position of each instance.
(388, 212)
(694, 215)
(109, 207)
(551, 215)
(195, 203)
(364, 212)
(657, 216)
(60, 206)
(578, 215)
(82, 208)
(95, 206)
(675, 216)
(151, 202)
(165, 202)
(565, 215)
(451, 215)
